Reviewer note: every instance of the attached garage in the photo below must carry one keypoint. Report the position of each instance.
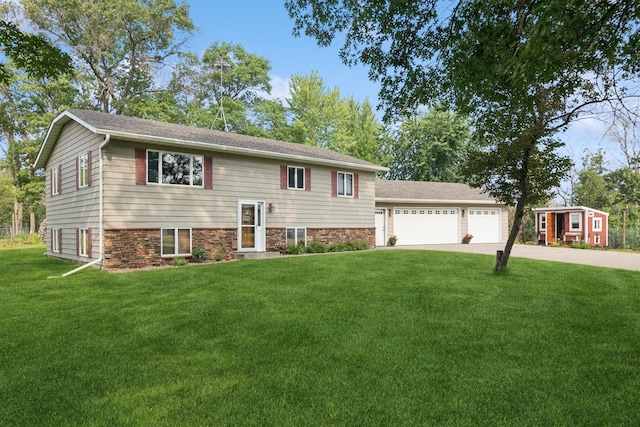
(484, 225)
(423, 213)
(426, 225)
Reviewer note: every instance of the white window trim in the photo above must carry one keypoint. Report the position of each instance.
(297, 168)
(55, 181)
(160, 153)
(83, 242)
(599, 221)
(295, 232)
(543, 222)
(83, 166)
(176, 242)
(571, 227)
(344, 178)
(55, 243)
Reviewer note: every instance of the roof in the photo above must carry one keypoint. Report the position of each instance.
(568, 209)
(420, 191)
(141, 130)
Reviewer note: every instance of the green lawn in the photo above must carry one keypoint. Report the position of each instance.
(380, 338)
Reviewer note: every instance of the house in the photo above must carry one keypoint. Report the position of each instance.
(123, 192)
(569, 224)
(437, 213)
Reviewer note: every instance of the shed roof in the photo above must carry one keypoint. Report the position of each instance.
(420, 191)
(135, 129)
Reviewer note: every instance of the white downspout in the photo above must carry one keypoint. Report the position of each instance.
(107, 138)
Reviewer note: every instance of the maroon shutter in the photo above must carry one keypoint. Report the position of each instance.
(141, 166)
(355, 185)
(59, 179)
(283, 177)
(60, 240)
(89, 168)
(89, 243)
(334, 183)
(307, 179)
(208, 172)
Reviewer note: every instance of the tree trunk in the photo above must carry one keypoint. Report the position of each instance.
(16, 219)
(502, 261)
(32, 222)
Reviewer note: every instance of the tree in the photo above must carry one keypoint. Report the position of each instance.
(31, 53)
(121, 43)
(430, 147)
(227, 79)
(592, 189)
(521, 71)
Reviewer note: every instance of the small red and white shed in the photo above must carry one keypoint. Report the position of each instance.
(573, 223)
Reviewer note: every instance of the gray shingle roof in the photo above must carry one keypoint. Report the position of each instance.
(133, 128)
(432, 191)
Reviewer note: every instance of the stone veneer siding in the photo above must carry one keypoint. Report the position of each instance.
(137, 248)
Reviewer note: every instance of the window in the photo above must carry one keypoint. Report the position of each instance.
(83, 242)
(295, 177)
(596, 239)
(575, 223)
(83, 170)
(597, 224)
(345, 184)
(55, 180)
(55, 240)
(176, 241)
(543, 222)
(296, 235)
(176, 169)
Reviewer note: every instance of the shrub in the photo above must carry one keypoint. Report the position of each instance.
(316, 247)
(179, 261)
(296, 249)
(580, 245)
(199, 254)
(218, 255)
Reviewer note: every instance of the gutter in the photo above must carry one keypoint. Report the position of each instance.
(107, 138)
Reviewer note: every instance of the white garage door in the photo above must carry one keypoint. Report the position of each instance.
(484, 225)
(419, 226)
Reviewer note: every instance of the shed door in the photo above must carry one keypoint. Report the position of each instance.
(423, 226)
(484, 225)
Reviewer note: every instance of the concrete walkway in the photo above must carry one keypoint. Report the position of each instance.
(598, 258)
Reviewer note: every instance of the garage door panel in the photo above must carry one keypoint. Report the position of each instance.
(417, 226)
(484, 225)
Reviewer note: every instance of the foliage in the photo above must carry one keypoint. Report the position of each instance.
(393, 240)
(350, 246)
(179, 261)
(120, 43)
(283, 341)
(522, 72)
(467, 238)
(199, 254)
(31, 53)
(298, 249)
(580, 245)
(219, 255)
(316, 247)
(429, 147)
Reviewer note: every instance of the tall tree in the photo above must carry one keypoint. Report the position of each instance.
(592, 189)
(226, 79)
(522, 71)
(121, 43)
(430, 147)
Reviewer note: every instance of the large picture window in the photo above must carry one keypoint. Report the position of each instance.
(172, 168)
(296, 177)
(176, 241)
(345, 184)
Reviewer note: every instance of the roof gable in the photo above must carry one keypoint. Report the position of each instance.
(134, 129)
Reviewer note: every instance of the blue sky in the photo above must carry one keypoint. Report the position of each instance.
(264, 28)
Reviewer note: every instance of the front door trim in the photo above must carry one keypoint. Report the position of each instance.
(255, 226)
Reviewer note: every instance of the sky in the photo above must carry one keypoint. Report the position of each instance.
(263, 28)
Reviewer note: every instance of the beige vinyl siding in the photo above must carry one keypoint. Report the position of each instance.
(74, 208)
(128, 205)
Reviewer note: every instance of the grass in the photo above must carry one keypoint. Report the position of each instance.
(369, 338)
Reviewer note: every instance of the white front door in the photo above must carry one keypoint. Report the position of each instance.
(251, 227)
(381, 229)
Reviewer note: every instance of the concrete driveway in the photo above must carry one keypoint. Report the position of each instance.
(611, 259)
